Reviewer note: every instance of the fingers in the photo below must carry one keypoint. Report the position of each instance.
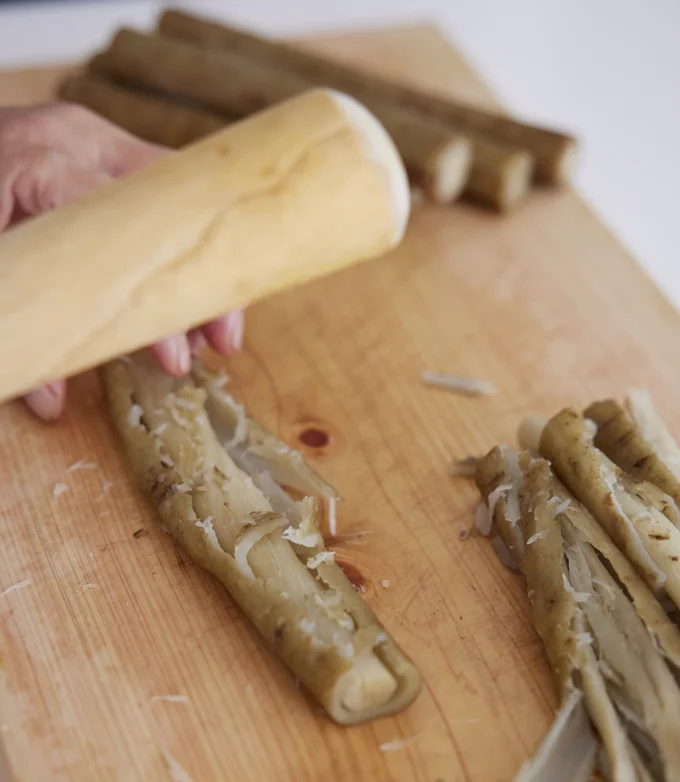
(226, 334)
(196, 340)
(173, 355)
(6, 204)
(54, 182)
(47, 402)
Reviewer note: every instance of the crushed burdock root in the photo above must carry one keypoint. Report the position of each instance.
(587, 511)
(459, 384)
(217, 479)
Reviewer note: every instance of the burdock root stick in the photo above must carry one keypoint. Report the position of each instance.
(188, 443)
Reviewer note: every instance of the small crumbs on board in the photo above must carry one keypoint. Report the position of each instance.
(459, 384)
(89, 586)
(59, 489)
(81, 464)
(385, 583)
(177, 773)
(397, 744)
(106, 488)
(14, 587)
(170, 698)
(332, 517)
(140, 533)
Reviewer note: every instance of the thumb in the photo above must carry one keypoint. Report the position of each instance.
(48, 401)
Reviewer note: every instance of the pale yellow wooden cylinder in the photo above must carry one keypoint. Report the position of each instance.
(299, 191)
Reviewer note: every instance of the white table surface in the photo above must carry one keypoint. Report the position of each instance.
(607, 70)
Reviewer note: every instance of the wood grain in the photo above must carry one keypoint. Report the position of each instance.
(544, 303)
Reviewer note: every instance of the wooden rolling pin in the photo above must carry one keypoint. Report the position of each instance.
(301, 190)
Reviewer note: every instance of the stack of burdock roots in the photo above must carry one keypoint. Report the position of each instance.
(191, 76)
(588, 511)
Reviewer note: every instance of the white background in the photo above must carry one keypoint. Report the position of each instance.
(607, 69)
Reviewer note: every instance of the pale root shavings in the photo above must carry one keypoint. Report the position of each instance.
(82, 465)
(323, 556)
(207, 526)
(305, 535)
(562, 506)
(249, 538)
(458, 384)
(504, 491)
(177, 773)
(385, 583)
(170, 698)
(89, 586)
(177, 418)
(397, 744)
(464, 468)
(579, 597)
(332, 517)
(181, 488)
(14, 587)
(59, 489)
(159, 429)
(167, 461)
(535, 537)
(483, 519)
(512, 511)
(583, 639)
(221, 378)
(307, 626)
(604, 585)
(135, 415)
(184, 403)
(106, 488)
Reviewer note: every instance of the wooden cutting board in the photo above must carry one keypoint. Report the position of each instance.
(545, 303)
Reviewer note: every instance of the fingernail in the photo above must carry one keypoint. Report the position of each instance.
(196, 340)
(174, 355)
(234, 336)
(47, 402)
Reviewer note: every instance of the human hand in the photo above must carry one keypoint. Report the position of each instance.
(55, 153)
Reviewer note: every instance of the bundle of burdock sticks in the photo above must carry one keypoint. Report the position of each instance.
(192, 76)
